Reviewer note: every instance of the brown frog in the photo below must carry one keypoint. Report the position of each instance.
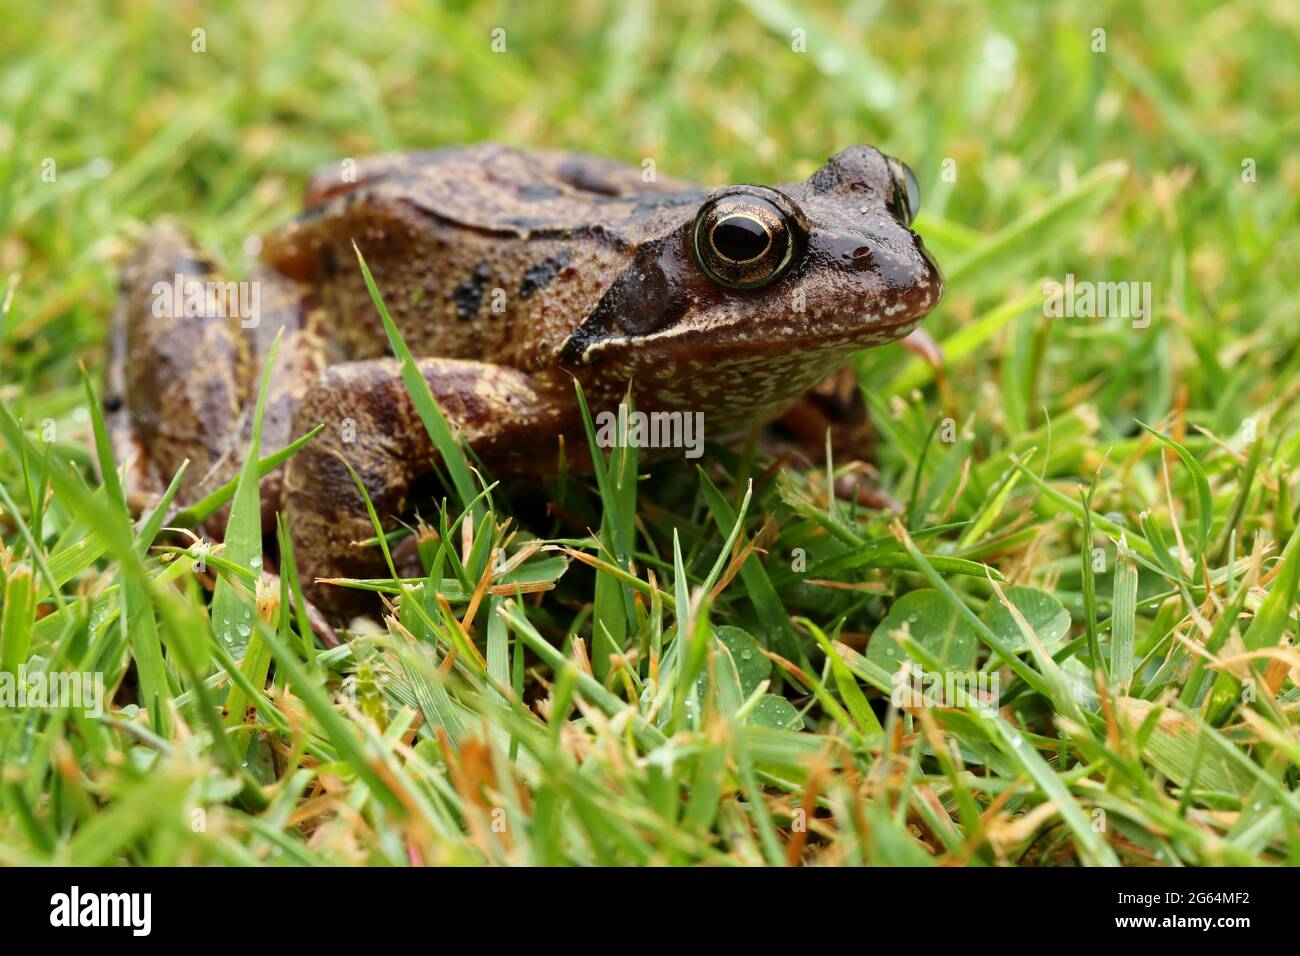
(509, 273)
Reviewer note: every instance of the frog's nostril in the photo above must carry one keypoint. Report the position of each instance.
(849, 251)
(858, 257)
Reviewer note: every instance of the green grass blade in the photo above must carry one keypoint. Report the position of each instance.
(448, 446)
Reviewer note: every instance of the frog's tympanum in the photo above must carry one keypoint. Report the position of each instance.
(509, 274)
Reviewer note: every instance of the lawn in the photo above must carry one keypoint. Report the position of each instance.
(1096, 526)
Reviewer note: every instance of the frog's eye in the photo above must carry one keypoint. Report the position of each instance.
(743, 241)
(907, 192)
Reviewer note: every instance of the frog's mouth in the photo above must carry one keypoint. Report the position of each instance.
(705, 347)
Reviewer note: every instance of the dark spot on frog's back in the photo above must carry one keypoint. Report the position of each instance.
(468, 296)
(539, 275)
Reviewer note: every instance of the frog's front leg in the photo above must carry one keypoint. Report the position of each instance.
(511, 420)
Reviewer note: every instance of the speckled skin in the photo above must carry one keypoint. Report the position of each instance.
(511, 273)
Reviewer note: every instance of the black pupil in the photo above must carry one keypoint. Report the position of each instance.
(739, 238)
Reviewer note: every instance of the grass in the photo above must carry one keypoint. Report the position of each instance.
(695, 667)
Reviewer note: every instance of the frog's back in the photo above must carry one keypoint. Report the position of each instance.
(486, 252)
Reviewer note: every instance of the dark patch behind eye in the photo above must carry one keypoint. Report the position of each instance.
(648, 295)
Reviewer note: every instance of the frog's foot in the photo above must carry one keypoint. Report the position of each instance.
(505, 416)
(834, 405)
(835, 408)
(185, 349)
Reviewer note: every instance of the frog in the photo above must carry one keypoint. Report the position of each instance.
(516, 278)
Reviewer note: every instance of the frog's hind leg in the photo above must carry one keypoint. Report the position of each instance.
(174, 381)
(185, 349)
(509, 419)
